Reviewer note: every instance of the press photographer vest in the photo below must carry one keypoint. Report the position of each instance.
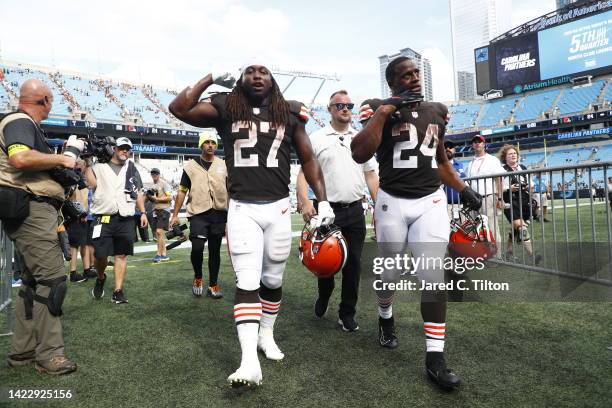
(109, 196)
(37, 182)
(160, 193)
(208, 188)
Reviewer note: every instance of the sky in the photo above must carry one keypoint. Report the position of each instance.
(175, 43)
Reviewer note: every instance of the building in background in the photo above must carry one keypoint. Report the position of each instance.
(424, 66)
(563, 3)
(473, 24)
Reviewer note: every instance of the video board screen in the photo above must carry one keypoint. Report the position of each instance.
(516, 61)
(578, 46)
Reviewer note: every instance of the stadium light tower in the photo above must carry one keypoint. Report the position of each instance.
(304, 74)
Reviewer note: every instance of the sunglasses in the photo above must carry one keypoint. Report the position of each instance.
(124, 148)
(341, 106)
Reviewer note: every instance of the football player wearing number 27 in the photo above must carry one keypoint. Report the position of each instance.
(407, 136)
(257, 127)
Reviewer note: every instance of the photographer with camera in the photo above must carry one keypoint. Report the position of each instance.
(161, 196)
(30, 200)
(205, 178)
(116, 187)
(76, 227)
(518, 201)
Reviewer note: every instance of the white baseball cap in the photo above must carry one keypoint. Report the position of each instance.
(122, 141)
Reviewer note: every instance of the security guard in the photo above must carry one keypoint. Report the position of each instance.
(30, 199)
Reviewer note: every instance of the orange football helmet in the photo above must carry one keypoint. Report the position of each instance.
(471, 236)
(323, 250)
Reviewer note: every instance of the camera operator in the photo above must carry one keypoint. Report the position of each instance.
(116, 187)
(161, 196)
(30, 199)
(205, 178)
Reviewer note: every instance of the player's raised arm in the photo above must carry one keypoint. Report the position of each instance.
(188, 108)
(365, 143)
(310, 165)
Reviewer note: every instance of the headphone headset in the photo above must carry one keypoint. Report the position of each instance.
(43, 101)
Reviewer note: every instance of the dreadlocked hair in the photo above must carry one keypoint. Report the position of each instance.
(239, 109)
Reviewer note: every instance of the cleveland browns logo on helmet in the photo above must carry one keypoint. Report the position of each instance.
(472, 237)
(323, 250)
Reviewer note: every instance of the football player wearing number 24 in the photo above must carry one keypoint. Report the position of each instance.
(407, 136)
(257, 127)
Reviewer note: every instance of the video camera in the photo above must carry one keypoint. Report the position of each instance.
(73, 211)
(176, 231)
(68, 177)
(100, 147)
(151, 192)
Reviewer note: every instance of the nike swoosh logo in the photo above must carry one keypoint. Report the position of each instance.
(437, 201)
(285, 210)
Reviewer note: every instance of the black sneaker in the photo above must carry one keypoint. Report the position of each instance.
(119, 296)
(90, 273)
(348, 324)
(438, 373)
(98, 290)
(320, 307)
(386, 332)
(77, 277)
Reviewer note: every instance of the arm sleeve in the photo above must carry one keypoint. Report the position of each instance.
(20, 132)
(185, 183)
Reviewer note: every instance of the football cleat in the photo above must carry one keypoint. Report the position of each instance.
(267, 345)
(245, 377)
(214, 292)
(386, 332)
(438, 373)
(197, 287)
(471, 236)
(323, 250)
(98, 290)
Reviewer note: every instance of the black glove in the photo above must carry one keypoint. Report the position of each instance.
(404, 99)
(471, 199)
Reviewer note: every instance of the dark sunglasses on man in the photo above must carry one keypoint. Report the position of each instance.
(341, 106)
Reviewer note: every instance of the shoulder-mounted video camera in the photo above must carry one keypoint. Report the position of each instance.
(100, 147)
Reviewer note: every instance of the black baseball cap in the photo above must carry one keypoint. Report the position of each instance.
(449, 144)
(155, 170)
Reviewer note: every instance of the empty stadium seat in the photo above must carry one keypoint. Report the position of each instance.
(463, 116)
(534, 105)
(496, 111)
(579, 99)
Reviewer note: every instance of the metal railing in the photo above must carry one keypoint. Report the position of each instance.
(6, 281)
(573, 239)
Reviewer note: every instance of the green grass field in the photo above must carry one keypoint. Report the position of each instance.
(167, 348)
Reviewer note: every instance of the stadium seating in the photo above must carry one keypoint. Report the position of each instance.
(92, 98)
(16, 76)
(577, 100)
(463, 116)
(171, 170)
(4, 99)
(534, 105)
(134, 100)
(496, 111)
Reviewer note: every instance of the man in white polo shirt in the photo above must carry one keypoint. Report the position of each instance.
(481, 165)
(345, 181)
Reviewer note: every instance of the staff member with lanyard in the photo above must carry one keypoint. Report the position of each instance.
(481, 165)
(345, 181)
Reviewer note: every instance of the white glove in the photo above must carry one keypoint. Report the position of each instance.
(226, 80)
(325, 215)
(74, 147)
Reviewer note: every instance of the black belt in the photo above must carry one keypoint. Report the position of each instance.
(55, 202)
(345, 205)
(116, 215)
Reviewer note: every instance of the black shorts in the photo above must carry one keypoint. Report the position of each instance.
(77, 233)
(206, 224)
(162, 219)
(116, 237)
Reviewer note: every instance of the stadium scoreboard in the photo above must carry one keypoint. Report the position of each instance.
(548, 53)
